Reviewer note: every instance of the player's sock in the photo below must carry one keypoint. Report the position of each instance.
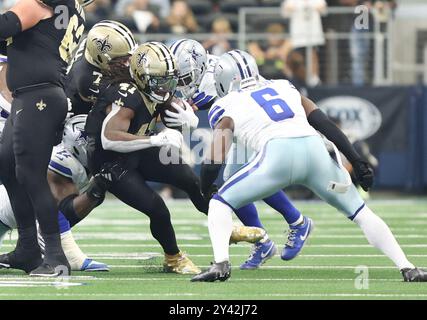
(280, 202)
(220, 224)
(248, 215)
(64, 224)
(72, 251)
(380, 236)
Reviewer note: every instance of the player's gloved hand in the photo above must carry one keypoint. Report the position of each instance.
(208, 194)
(364, 174)
(97, 188)
(167, 137)
(110, 173)
(185, 118)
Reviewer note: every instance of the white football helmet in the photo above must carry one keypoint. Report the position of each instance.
(235, 70)
(74, 138)
(192, 64)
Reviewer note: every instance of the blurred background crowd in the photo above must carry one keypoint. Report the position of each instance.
(308, 41)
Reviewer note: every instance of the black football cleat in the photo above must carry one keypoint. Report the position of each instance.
(414, 275)
(218, 271)
(53, 267)
(13, 260)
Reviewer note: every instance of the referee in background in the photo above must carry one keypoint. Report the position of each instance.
(41, 36)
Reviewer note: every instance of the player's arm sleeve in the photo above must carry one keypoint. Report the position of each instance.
(215, 114)
(204, 100)
(319, 121)
(124, 144)
(61, 166)
(10, 25)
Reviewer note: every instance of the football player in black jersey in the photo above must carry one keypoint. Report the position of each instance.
(35, 31)
(109, 45)
(118, 127)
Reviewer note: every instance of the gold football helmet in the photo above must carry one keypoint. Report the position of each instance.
(106, 41)
(154, 69)
(85, 3)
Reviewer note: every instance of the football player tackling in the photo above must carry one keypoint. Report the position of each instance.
(270, 116)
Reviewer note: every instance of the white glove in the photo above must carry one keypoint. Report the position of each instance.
(167, 137)
(185, 118)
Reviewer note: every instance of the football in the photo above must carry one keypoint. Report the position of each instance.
(168, 106)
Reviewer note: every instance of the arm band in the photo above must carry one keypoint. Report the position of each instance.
(319, 121)
(10, 25)
(66, 206)
(208, 174)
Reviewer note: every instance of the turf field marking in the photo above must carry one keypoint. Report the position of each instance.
(195, 245)
(234, 279)
(311, 267)
(27, 284)
(148, 255)
(209, 294)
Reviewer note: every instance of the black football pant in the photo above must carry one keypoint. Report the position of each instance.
(179, 175)
(31, 131)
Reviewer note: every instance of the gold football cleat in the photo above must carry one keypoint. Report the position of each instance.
(247, 234)
(180, 264)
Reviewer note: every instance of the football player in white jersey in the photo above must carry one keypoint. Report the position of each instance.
(197, 85)
(72, 190)
(273, 119)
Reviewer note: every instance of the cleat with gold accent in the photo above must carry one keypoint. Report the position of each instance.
(180, 264)
(247, 234)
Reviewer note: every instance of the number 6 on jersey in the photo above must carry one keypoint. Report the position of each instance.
(277, 109)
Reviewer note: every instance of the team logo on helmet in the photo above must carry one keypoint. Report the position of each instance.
(142, 59)
(103, 45)
(194, 54)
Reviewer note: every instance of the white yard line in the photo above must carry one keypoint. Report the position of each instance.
(298, 267)
(194, 245)
(22, 279)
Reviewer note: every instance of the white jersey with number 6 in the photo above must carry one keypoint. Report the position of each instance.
(271, 110)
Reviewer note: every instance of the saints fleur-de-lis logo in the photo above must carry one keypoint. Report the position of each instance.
(103, 45)
(41, 105)
(142, 59)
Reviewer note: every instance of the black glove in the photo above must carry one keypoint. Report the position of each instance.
(97, 189)
(208, 194)
(364, 174)
(110, 173)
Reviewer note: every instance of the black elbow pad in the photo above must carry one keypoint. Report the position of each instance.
(10, 25)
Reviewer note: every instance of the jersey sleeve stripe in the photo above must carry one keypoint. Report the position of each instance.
(60, 169)
(199, 97)
(213, 110)
(215, 117)
(206, 100)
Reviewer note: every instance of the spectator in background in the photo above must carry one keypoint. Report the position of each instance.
(7, 4)
(306, 29)
(181, 19)
(360, 42)
(99, 10)
(360, 46)
(220, 42)
(296, 66)
(272, 55)
(140, 12)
